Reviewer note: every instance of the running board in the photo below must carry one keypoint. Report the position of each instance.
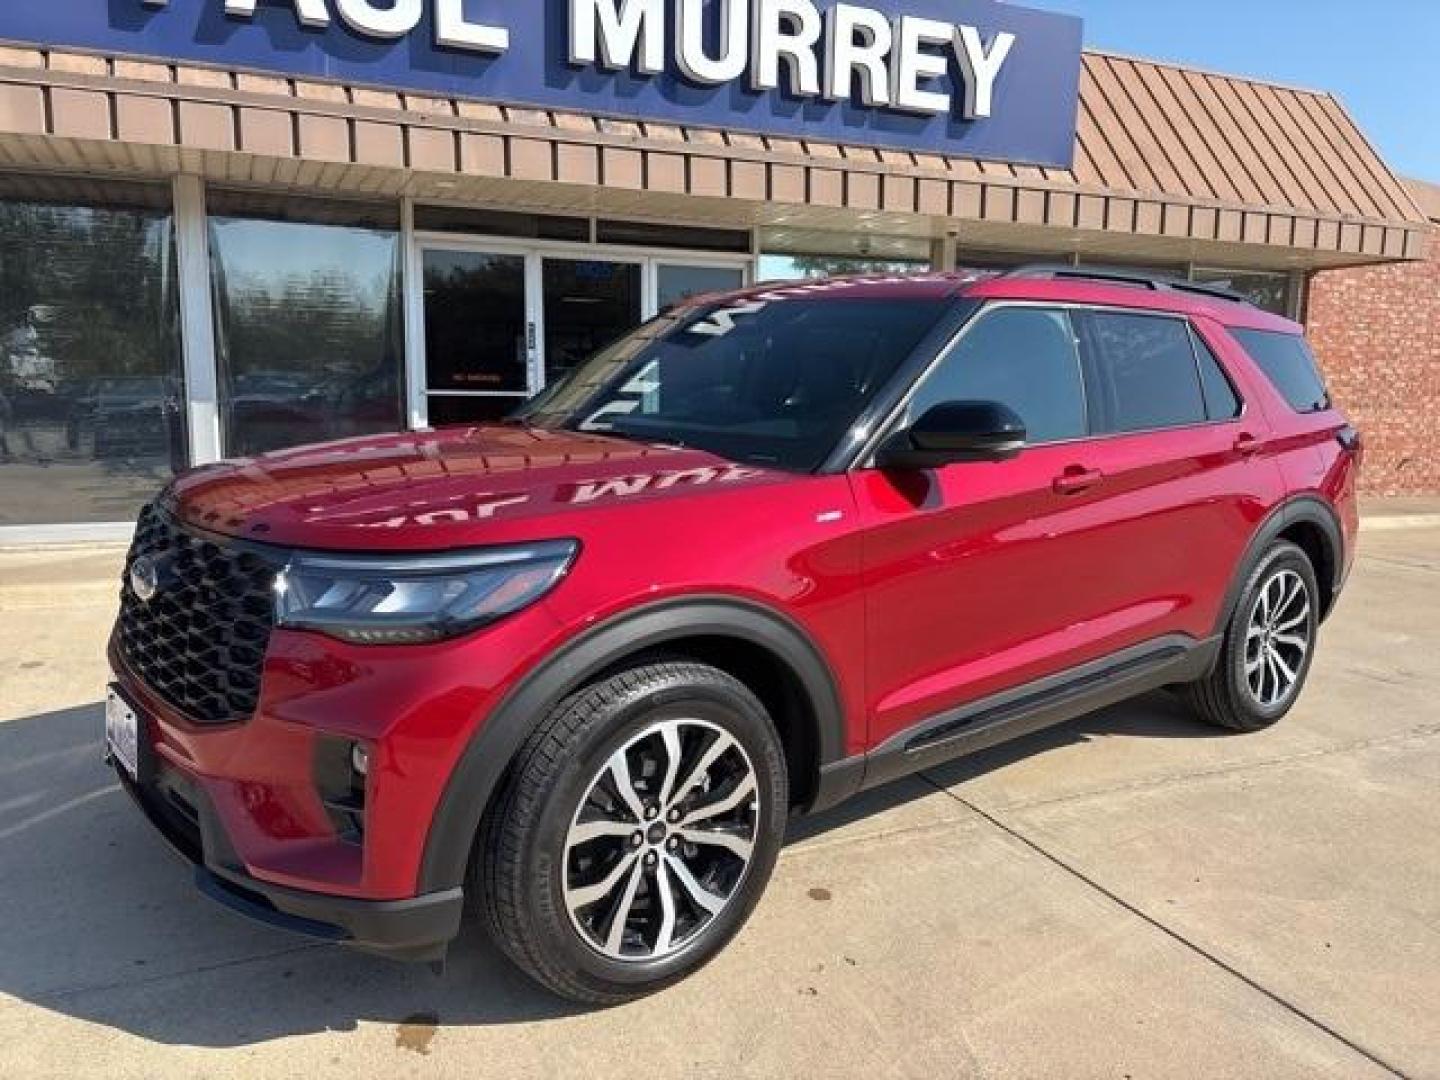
(1040, 704)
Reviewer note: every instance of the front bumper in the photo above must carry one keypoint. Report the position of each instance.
(417, 929)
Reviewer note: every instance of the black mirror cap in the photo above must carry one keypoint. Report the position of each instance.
(956, 432)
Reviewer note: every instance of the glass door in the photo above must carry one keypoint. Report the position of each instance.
(588, 304)
(501, 320)
(478, 334)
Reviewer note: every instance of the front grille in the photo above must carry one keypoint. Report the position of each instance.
(199, 642)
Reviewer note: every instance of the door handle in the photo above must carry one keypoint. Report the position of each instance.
(1076, 479)
(1246, 444)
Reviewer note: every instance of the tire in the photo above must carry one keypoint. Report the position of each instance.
(540, 874)
(1228, 697)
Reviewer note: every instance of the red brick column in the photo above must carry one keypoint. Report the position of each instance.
(1376, 332)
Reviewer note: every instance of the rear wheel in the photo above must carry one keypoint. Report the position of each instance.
(1268, 647)
(636, 833)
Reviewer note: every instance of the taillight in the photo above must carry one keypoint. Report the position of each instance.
(1351, 442)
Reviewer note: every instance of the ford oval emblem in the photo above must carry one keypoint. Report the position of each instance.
(144, 578)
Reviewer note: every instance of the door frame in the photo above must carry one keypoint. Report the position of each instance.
(535, 252)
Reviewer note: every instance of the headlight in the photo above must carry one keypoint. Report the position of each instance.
(411, 600)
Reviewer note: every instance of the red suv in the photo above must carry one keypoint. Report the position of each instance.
(765, 552)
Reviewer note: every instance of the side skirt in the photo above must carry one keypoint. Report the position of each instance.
(979, 725)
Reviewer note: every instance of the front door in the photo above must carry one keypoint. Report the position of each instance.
(985, 576)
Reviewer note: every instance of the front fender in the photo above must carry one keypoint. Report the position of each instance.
(483, 763)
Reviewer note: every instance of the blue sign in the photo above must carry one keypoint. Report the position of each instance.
(975, 78)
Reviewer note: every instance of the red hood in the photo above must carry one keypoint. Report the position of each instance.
(441, 489)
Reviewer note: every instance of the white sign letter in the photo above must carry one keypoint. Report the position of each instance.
(786, 30)
(452, 31)
(980, 68)
(636, 24)
(392, 22)
(311, 13)
(859, 39)
(729, 65)
(911, 64)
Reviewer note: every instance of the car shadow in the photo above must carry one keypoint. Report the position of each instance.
(1157, 715)
(103, 923)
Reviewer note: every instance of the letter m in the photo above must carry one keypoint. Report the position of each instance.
(627, 32)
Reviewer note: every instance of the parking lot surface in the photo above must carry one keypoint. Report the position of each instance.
(1129, 895)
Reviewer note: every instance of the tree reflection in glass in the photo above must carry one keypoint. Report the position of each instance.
(92, 416)
(308, 330)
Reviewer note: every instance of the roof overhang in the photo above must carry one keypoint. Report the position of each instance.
(1164, 171)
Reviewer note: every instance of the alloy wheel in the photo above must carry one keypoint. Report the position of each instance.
(1277, 638)
(661, 840)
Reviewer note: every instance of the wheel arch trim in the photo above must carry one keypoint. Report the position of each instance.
(493, 746)
(1297, 510)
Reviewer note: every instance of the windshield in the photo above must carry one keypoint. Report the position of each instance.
(773, 381)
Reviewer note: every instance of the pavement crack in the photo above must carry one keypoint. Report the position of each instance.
(1175, 935)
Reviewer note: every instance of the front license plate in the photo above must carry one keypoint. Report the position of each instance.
(122, 733)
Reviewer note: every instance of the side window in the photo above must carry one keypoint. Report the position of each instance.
(1288, 363)
(1023, 357)
(1144, 372)
(1221, 401)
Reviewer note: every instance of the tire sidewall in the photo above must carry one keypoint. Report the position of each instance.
(1283, 556)
(730, 707)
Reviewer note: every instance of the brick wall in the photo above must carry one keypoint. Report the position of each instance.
(1376, 331)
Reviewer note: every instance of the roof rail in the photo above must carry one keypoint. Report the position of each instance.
(1119, 275)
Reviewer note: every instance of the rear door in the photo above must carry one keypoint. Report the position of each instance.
(1186, 473)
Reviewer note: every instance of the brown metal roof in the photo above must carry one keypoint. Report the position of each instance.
(1171, 157)
(1167, 130)
(1426, 196)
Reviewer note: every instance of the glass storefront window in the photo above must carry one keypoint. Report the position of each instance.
(797, 267)
(308, 323)
(92, 399)
(1270, 291)
(679, 283)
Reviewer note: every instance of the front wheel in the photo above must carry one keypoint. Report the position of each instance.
(636, 832)
(1269, 645)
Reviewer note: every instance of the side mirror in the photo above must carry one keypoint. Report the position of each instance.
(954, 432)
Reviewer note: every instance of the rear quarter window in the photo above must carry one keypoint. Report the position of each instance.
(1289, 364)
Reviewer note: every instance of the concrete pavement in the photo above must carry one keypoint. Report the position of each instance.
(1131, 894)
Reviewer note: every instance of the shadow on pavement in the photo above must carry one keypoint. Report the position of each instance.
(102, 922)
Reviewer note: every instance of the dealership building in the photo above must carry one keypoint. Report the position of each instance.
(228, 227)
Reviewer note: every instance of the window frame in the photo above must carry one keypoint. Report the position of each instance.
(864, 459)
